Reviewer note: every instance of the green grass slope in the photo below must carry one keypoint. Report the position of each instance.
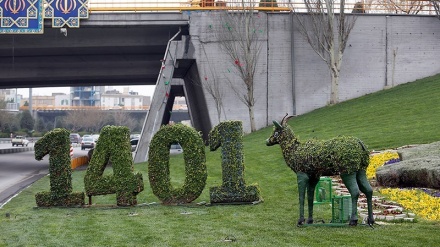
(403, 115)
(406, 114)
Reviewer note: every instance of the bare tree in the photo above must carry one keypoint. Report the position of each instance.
(400, 6)
(96, 119)
(8, 122)
(238, 37)
(87, 120)
(2, 104)
(436, 5)
(74, 120)
(123, 118)
(327, 33)
(210, 83)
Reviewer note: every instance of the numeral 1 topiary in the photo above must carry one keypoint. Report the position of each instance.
(56, 143)
(229, 135)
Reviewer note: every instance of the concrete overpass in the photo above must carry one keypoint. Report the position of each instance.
(108, 49)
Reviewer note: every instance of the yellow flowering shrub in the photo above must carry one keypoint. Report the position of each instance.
(420, 203)
(378, 160)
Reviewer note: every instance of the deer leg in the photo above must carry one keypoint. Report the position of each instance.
(352, 186)
(365, 188)
(310, 197)
(303, 181)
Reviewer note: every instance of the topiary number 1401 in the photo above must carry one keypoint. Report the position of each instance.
(114, 147)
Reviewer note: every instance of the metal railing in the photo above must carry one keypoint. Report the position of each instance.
(78, 108)
(176, 107)
(356, 6)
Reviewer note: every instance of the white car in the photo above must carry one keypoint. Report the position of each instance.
(95, 137)
(87, 142)
(20, 140)
(176, 148)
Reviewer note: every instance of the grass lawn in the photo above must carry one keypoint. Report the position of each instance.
(407, 114)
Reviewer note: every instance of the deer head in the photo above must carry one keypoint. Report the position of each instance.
(278, 129)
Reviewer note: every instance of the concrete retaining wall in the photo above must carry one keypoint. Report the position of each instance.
(382, 51)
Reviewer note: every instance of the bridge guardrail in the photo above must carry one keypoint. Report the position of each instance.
(62, 108)
(429, 7)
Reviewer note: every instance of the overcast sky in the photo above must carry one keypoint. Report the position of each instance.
(47, 91)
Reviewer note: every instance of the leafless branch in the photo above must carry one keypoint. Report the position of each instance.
(319, 27)
(238, 37)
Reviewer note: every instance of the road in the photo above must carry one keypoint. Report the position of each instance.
(19, 170)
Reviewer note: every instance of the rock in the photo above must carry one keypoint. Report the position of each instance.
(420, 151)
(420, 167)
(421, 172)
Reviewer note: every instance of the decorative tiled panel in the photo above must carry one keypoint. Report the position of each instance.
(21, 16)
(66, 13)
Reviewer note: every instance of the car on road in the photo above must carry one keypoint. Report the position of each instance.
(95, 137)
(88, 142)
(20, 140)
(75, 138)
(135, 136)
(175, 148)
(134, 143)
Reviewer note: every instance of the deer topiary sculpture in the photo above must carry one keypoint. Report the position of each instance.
(344, 156)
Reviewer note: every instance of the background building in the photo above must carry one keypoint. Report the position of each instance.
(86, 96)
(93, 97)
(129, 100)
(10, 97)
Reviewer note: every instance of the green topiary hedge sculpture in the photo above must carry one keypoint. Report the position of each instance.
(229, 135)
(159, 167)
(56, 143)
(114, 146)
(344, 155)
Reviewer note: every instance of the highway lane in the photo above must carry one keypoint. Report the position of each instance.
(19, 170)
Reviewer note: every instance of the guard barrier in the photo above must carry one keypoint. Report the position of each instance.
(79, 161)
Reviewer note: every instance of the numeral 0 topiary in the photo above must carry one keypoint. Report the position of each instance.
(159, 167)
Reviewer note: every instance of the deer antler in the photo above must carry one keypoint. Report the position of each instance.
(282, 121)
(285, 118)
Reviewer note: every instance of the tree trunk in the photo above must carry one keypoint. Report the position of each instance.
(219, 110)
(252, 118)
(335, 69)
(334, 98)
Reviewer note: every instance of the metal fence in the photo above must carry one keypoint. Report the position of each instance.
(429, 7)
